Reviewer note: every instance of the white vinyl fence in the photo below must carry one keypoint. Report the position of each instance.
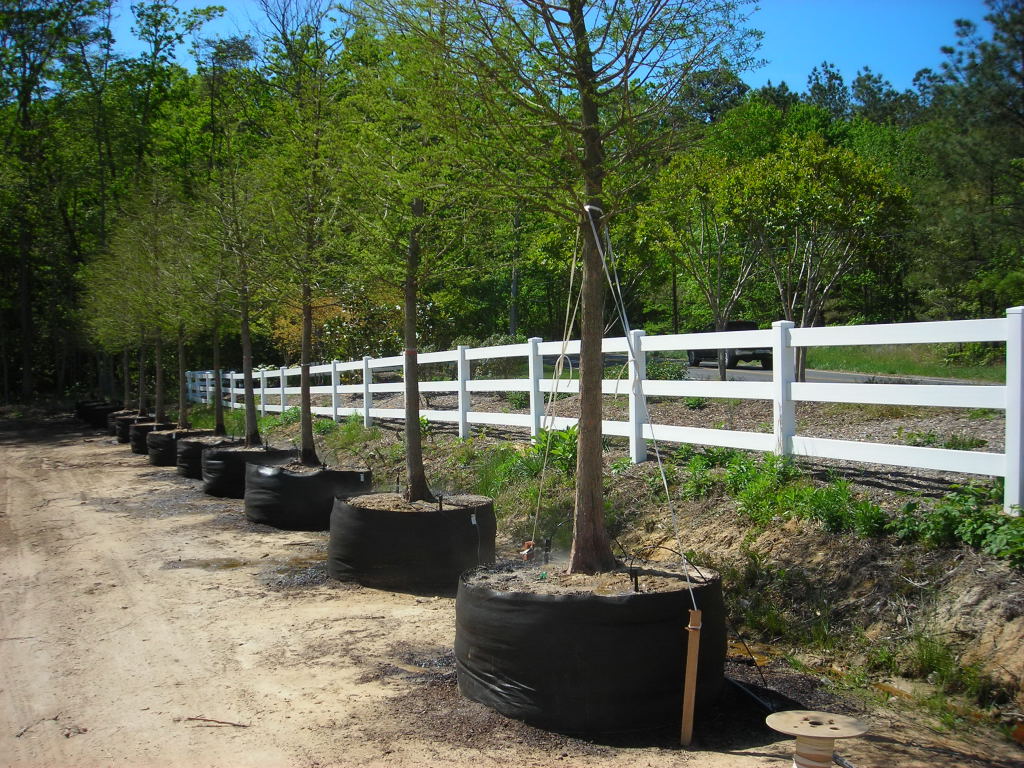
(781, 390)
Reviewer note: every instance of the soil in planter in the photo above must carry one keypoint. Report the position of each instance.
(162, 445)
(297, 497)
(586, 654)
(381, 540)
(190, 452)
(138, 432)
(224, 467)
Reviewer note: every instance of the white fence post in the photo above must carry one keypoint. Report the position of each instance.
(784, 365)
(284, 387)
(1013, 493)
(209, 387)
(637, 403)
(462, 374)
(263, 393)
(367, 395)
(536, 373)
(231, 390)
(334, 389)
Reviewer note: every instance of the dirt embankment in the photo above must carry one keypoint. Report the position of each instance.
(143, 623)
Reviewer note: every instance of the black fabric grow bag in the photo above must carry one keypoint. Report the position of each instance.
(410, 550)
(162, 446)
(190, 454)
(113, 417)
(96, 416)
(94, 412)
(83, 407)
(138, 432)
(124, 424)
(224, 467)
(298, 501)
(586, 663)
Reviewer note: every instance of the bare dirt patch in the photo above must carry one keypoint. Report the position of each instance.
(143, 623)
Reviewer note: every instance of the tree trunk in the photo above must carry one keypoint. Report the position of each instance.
(183, 403)
(142, 378)
(591, 550)
(125, 379)
(721, 325)
(218, 393)
(513, 307)
(307, 449)
(416, 476)
(159, 414)
(675, 295)
(252, 431)
(62, 365)
(27, 330)
(4, 370)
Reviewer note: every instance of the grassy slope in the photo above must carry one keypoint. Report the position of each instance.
(901, 360)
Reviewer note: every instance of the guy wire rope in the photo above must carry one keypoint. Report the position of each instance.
(614, 284)
(616, 288)
(571, 311)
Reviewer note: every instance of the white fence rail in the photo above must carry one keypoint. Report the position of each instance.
(782, 391)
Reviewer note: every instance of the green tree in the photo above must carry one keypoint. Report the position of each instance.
(587, 83)
(416, 214)
(971, 258)
(301, 171)
(689, 217)
(33, 38)
(812, 211)
(227, 207)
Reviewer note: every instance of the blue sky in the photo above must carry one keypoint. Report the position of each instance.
(895, 38)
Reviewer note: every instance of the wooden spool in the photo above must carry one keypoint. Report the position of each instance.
(815, 734)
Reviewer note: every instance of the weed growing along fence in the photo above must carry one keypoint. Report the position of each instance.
(782, 391)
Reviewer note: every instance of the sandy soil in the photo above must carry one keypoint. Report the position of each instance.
(145, 624)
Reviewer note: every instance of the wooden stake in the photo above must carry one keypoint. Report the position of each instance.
(690, 681)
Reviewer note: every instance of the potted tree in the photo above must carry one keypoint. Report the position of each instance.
(302, 188)
(416, 540)
(182, 275)
(533, 651)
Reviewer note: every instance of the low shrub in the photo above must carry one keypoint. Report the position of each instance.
(350, 434)
(971, 515)
(518, 399)
(324, 426)
(666, 370)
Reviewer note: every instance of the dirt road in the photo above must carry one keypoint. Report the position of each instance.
(145, 624)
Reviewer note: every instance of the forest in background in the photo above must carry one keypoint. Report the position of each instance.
(146, 205)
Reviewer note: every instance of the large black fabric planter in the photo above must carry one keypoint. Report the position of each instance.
(138, 432)
(124, 425)
(586, 663)
(82, 407)
(299, 501)
(413, 547)
(162, 446)
(224, 467)
(95, 412)
(96, 416)
(190, 453)
(114, 416)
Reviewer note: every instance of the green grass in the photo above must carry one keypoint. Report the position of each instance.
(902, 360)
